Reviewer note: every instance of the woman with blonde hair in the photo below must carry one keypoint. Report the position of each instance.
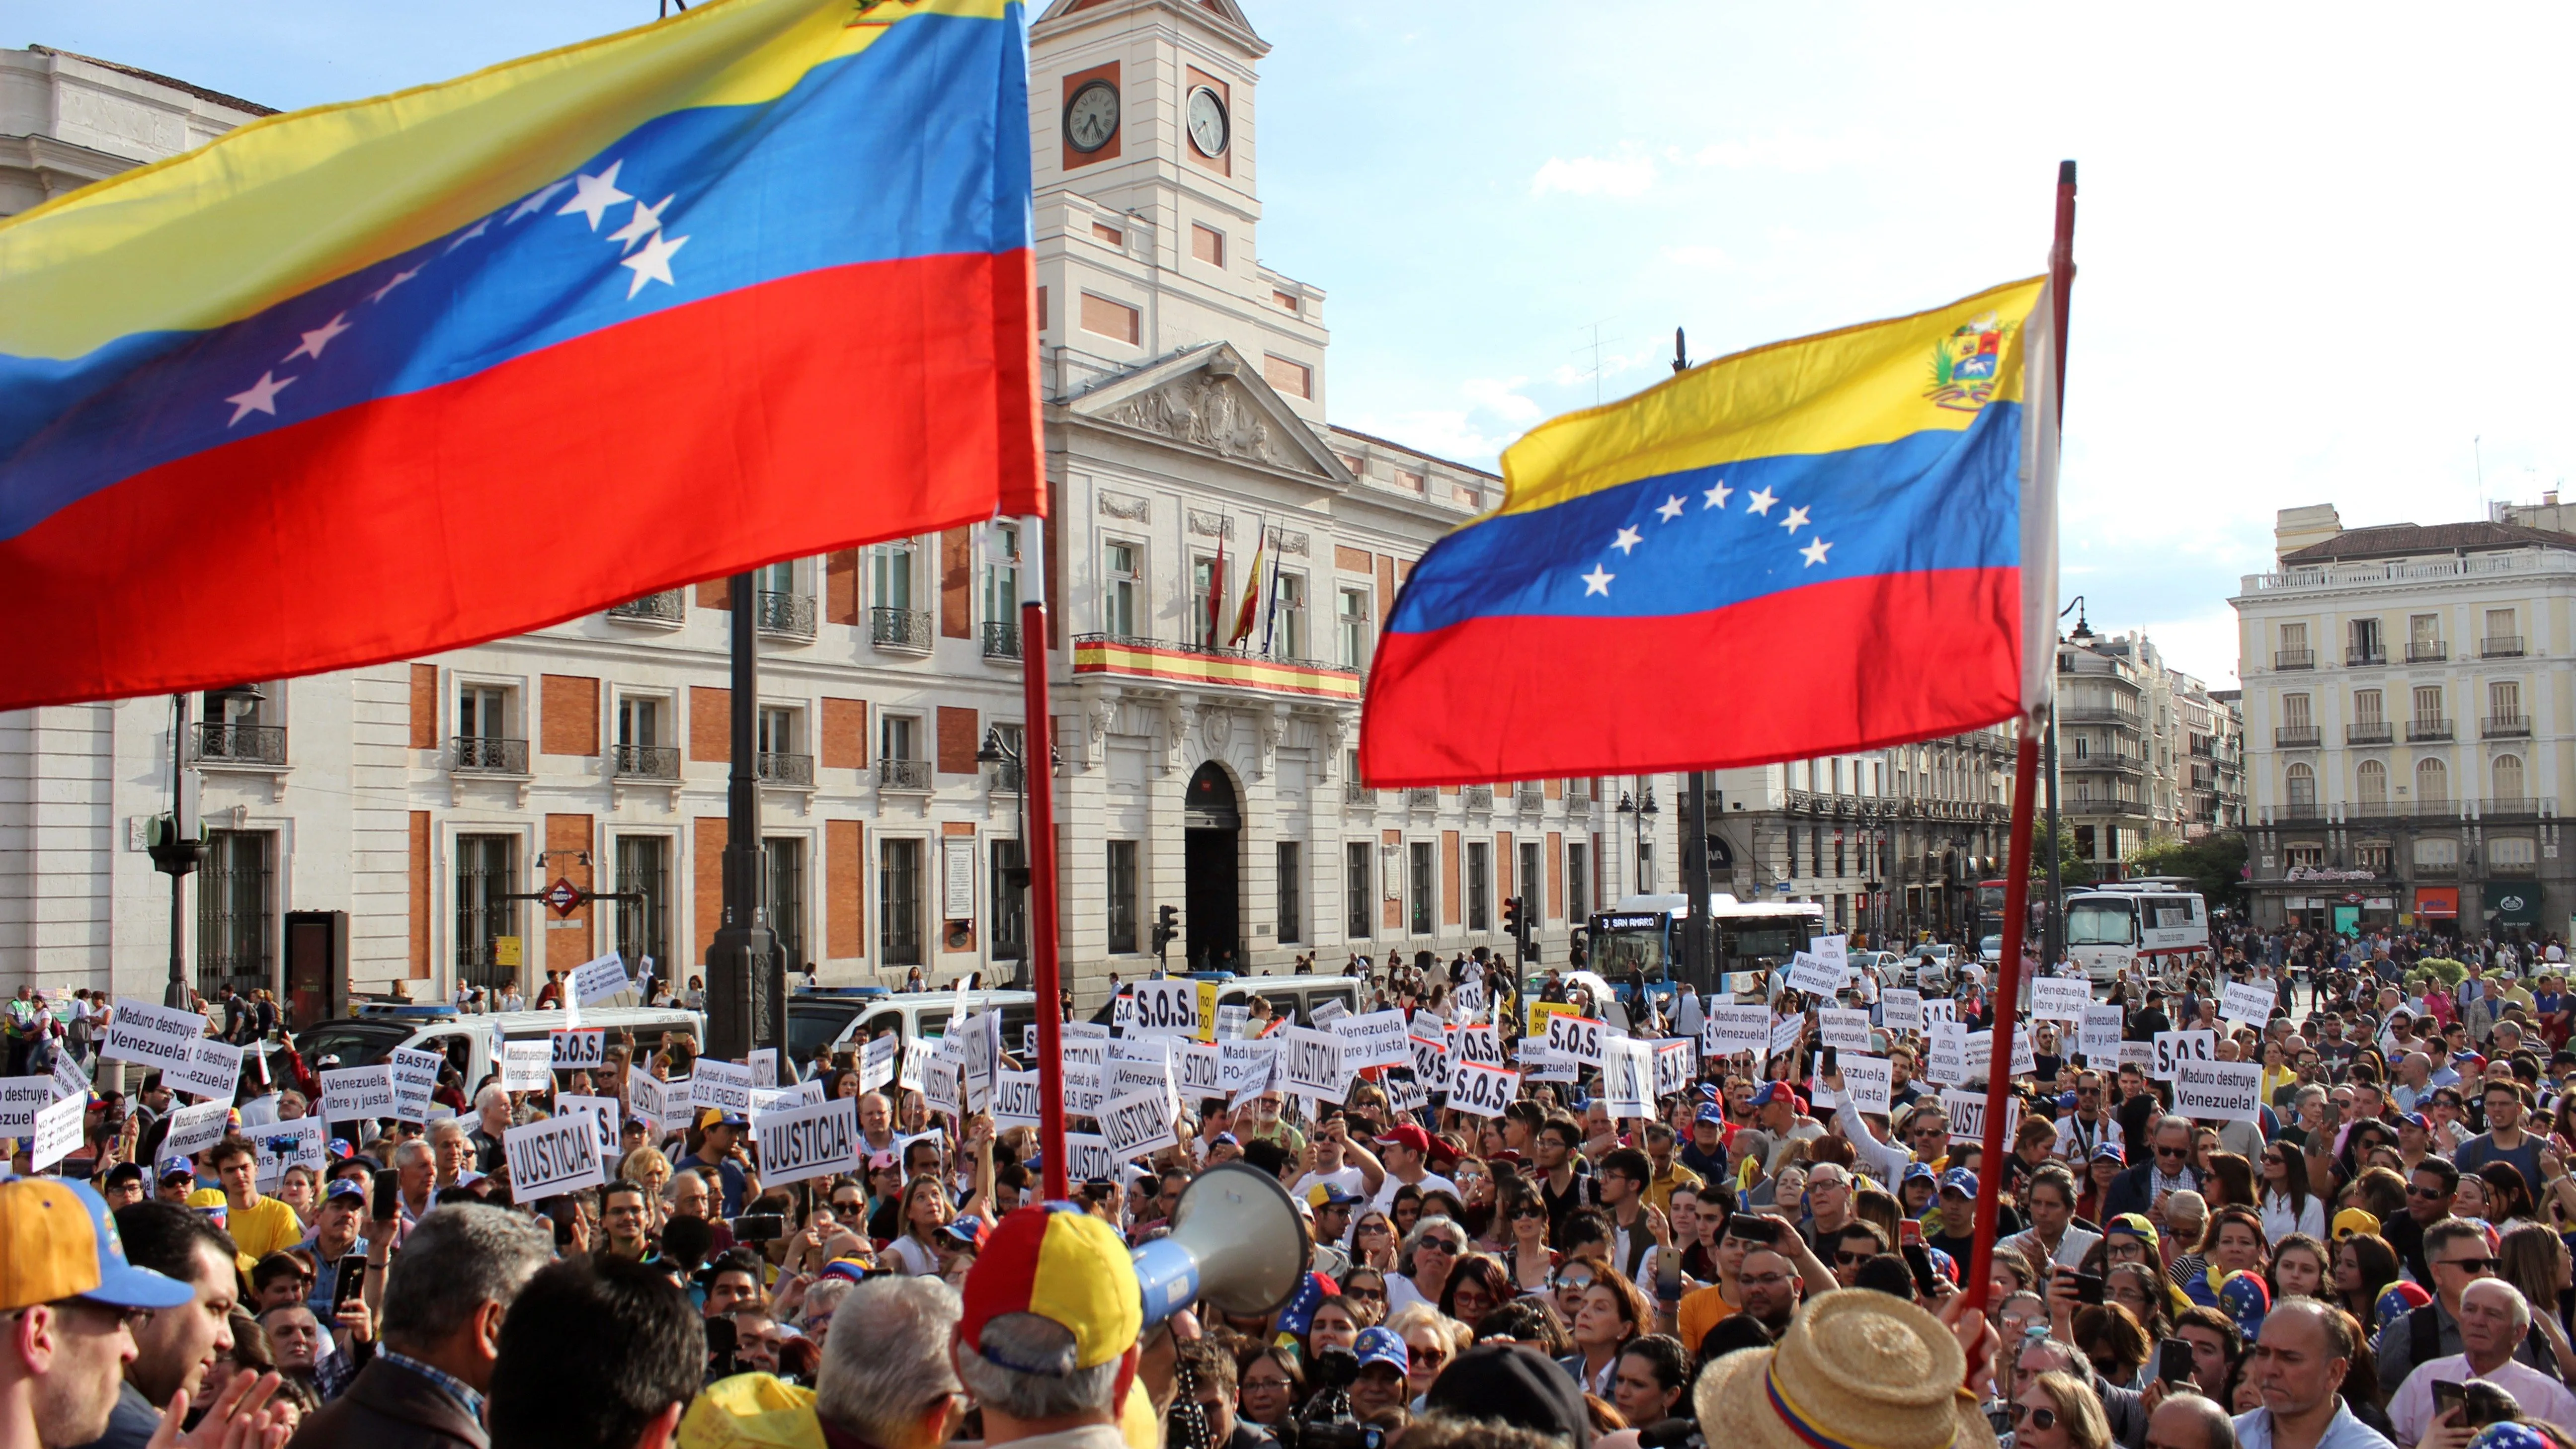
(647, 1168)
(1431, 1339)
(2059, 1411)
(918, 1220)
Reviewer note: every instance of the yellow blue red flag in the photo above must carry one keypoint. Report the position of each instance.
(368, 381)
(1828, 544)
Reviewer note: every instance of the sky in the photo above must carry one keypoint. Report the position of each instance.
(2321, 251)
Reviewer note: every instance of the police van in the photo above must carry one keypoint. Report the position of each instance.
(1295, 998)
(846, 1018)
(371, 1033)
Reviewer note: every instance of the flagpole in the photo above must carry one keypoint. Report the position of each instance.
(2007, 998)
(1037, 789)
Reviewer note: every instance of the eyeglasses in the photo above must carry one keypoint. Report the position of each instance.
(2041, 1419)
(1367, 1228)
(1851, 1260)
(1265, 1385)
(1528, 1211)
(2471, 1266)
(1365, 1295)
(2173, 1152)
(1426, 1353)
(2426, 1193)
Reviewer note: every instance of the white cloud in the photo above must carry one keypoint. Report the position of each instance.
(1612, 365)
(1502, 398)
(2203, 644)
(1595, 176)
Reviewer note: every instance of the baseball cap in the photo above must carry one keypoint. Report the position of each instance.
(2416, 1120)
(58, 1241)
(1708, 1091)
(1918, 1172)
(2135, 1225)
(1408, 1134)
(1380, 1345)
(344, 1187)
(1299, 1315)
(1959, 1180)
(721, 1117)
(1769, 1092)
(966, 1232)
(1943, 1263)
(2112, 1151)
(1065, 1266)
(2402, 1297)
(2353, 1221)
(124, 1172)
(2244, 1298)
(1712, 1114)
(177, 1167)
(1331, 1194)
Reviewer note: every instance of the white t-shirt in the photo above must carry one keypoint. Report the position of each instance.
(1345, 1177)
(1385, 1200)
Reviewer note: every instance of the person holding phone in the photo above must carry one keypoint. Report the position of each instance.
(2494, 1319)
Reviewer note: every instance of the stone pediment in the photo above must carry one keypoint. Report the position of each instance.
(1209, 399)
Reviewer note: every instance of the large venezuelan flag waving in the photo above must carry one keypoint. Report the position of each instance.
(369, 381)
(1829, 544)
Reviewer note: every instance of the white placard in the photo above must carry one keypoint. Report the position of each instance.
(1481, 1045)
(958, 884)
(2025, 1057)
(876, 1061)
(2139, 1054)
(1785, 1034)
(1967, 1113)
(1198, 1072)
(2248, 1003)
(581, 1049)
(1430, 1062)
(354, 1094)
(1078, 1037)
(779, 1099)
(763, 1062)
(2099, 1039)
(56, 1132)
(21, 1098)
(523, 1066)
(195, 1128)
(1482, 1091)
(606, 1117)
(1980, 1053)
(1169, 1007)
(1815, 976)
(1312, 1066)
(1842, 1029)
(1576, 1039)
(281, 1145)
(156, 1036)
(1628, 1079)
(1939, 1009)
(2218, 1091)
(211, 1071)
(663, 1104)
(1903, 1008)
(553, 1157)
(1231, 1019)
(1327, 1011)
(1376, 1039)
(70, 1080)
(2176, 1047)
(814, 1140)
(415, 1077)
(1676, 1066)
(599, 979)
(1139, 1124)
(1538, 1064)
(720, 1084)
(1122, 1013)
(1732, 1029)
(1470, 998)
(943, 1084)
(1869, 1081)
(1084, 1088)
(1016, 1100)
(1945, 1059)
(1240, 1063)
(2060, 998)
(1139, 1064)
(1087, 1159)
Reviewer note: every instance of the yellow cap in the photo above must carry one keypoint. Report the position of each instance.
(48, 1245)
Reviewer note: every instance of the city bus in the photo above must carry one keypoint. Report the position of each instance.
(2111, 928)
(1644, 933)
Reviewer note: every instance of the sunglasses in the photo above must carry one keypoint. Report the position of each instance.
(2040, 1419)
(2468, 1265)
(1851, 1260)
(2426, 1193)
(1569, 1281)
(1441, 1245)
(1366, 1295)
(1526, 1213)
(2173, 1152)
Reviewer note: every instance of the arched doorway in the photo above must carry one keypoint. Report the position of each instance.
(1211, 913)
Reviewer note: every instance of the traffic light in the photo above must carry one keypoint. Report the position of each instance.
(1512, 924)
(1167, 927)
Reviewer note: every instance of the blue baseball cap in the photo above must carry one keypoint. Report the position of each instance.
(1917, 1172)
(177, 1167)
(2112, 1151)
(1959, 1180)
(1380, 1345)
(57, 1240)
(344, 1187)
(1712, 1114)
(1708, 1091)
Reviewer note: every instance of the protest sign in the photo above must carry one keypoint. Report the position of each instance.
(876, 1061)
(1087, 1159)
(1939, 1009)
(2025, 1060)
(1834, 951)
(1575, 1038)
(1084, 1088)
(415, 1077)
(21, 1098)
(2218, 1091)
(1540, 1011)
(1842, 1029)
(2248, 1003)
(1312, 1063)
(763, 1062)
(1016, 1100)
(1139, 1124)
(1430, 1063)
(1628, 1079)
(56, 1132)
(2175, 1047)
(1903, 1008)
(720, 1084)
(664, 1105)
(1198, 1072)
(1470, 998)
(1327, 1011)
(1240, 1063)
(1945, 1060)
(1967, 1113)
(1482, 1091)
(2139, 1054)
(1785, 1034)
(1138, 1064)
(195, 1128)
(1675, 1067)
(1870, 1082)
(943, 1084)
(553, 1157)
(1538, 1064)
(211, 1070)
(1207, 1012)
(1814, 975)
(2060, 998)
(1166, 1008)
(814, 1140)
(1979, 1047)
(355, 1094)
(1122, 1013)
(582, 1049)
(1088, 1038)
(1376, 1039)
(281, 1145)
(156, 1036)
(1230, 1019)
(523, 1066)
(1481, 1045)
(69, 1079)
(1405, 1092)
(2099, 1040)
(605, 1118)
(599, 979)
(779, 1099)
(1732, 1029)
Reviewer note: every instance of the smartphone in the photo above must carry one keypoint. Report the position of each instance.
(2450, 1396)
(722, 1344)
(759, 1228)
(1909, 1234)
(1751, 1229)
(2088, 1287)
(2173, 1361)
(346, 1287)
(387, 1203)
(1825, 1064)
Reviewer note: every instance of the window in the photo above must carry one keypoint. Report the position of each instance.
(2301, 785)
(1351, 616)
(2428, 704)
(2372, 856)
(2294, 712)
(483, 712)
(1295, 379)
(777, 730)
(2437, 850)
(1113, 320)
(232, 912)
(1578, 883)
(2504, 699)
(785, 857)
(1838, 856)
(1207, 244)
(1480, 886)
(2513, 851)
(1122, 897)
(1420, 903)
(1289, 303)
(899, 902)
(2501, 639)
(2423, 630)
(1002, 575)
(1110, 234)
(644, 927)
(2294, 638)
(2307, 853)
(898, 737)
(2507, 771)
(1529, 885)
(1010, 902)
(2370, 784)
(1123, 577)
(1288, 621)
(890, 575)
(485, 872)
(1202, 624)
(2366, 707)
(639, 721)
(1292, 896)
(1359, 892)
(2432, 783)
(2367, 646)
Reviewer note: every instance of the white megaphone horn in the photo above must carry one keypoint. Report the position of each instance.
(1236, 1241)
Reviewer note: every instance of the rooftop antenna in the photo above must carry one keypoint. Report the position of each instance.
(670, 5)
(1681, 354)
(1596, 361)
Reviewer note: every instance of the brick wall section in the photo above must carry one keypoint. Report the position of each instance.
(716, 594)
(711, 725)
(570, 725)
(1449, 877)
(1392, 909)
(845, 876)
(420, 888)
(957, 584)
(1554, 789)
(706, 882)
(1556, 875)
(1504, 865)
(424, 706)
(568, 836)
(959, 738)
(1385, 589)
(841, 587)
(1352, 560)
(844, 735)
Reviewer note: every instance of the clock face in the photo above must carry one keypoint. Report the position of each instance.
(1207, 122)
(1091, 117)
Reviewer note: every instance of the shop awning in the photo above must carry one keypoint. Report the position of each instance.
(2441, 903)
(2516, 905)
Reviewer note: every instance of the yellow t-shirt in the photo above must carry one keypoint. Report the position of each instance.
(1671, 1180)
(258, 1230)
(1698, 1312)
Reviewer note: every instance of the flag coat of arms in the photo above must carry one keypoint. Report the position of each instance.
(1829, 544)
(368, 381)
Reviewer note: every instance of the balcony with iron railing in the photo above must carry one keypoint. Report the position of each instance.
(1476, 797)
(645, 762)
(2294, 659)
(488, 755)
(904, 631)
(2112, 764)
(2360, 657)
(2500, 646)
(1578, 792)
(1422, 797)
(2419, 731)
(2097, 714)
(783, 615)
(661, 608)
(2513, 869)
(1211, 664)
(912, 776)
(776, 767)
(2297, 810)
(1007, 776)
(2517, 807)
(2427, 651)
(1531, 796)
(2505, 727)
(2374, 732)
(2298, 737)
(1355, 793)
(212, 743)
(1001, 639)
(2437, 869)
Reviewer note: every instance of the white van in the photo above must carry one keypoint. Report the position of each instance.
(847, 1017)
(465, 1038)
(1293, 997)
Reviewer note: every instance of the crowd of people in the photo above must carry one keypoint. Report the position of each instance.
(2379, 1257)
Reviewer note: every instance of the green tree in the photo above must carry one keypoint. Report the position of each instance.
(2215, 864)
(2072, 868)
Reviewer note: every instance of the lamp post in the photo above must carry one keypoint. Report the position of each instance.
(998, 751)
(175, 852)
(1642, 811)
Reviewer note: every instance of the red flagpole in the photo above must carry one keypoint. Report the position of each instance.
(2007, 998)
(1037, 784)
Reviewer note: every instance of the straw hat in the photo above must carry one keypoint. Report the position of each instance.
(1857, 1367)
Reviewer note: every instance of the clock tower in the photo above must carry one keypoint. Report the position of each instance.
(1145, 130)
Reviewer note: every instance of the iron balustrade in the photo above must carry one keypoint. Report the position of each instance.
(903, 774)
(2288, 737)
(1477, 797)
(490, 755)
(776, 767)
(900, 629)
(784, 613)
(645, 762)
(2427, 729)
(2434, 652)
(2282, 659)
(1001, 640)
(2506, 726)
(2359, 658)
(2376, 733)
(2500, 646)
(661, 608)
(239, 744)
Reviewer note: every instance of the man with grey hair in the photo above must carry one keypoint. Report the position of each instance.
(2494, 1320)
(2186, 1420)
(445, 1298)
(493, 1118)
(886, 1378)
(416, 1173)
(451, 1152)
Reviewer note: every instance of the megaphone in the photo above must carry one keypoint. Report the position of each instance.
(1236, 1241)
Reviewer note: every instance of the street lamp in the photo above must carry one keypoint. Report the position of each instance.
(175, 852)
(1643, 812)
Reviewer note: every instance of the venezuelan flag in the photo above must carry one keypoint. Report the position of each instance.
(373, 380)
(1823, 545)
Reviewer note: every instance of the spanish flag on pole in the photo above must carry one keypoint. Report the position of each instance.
(373, 380)
(1248, 613)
